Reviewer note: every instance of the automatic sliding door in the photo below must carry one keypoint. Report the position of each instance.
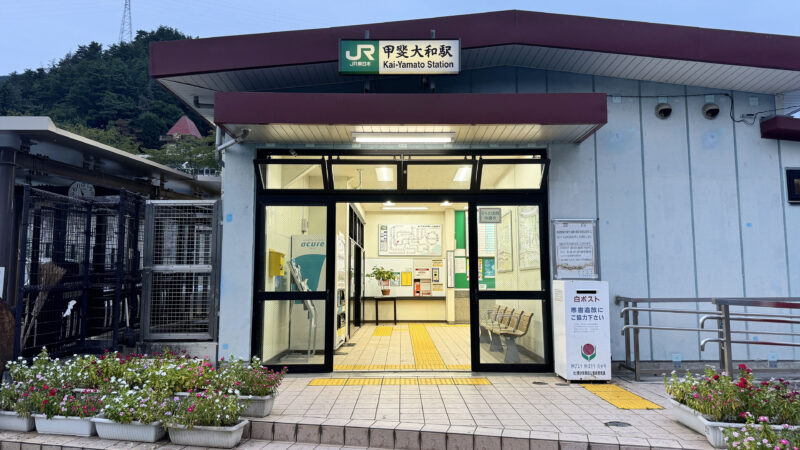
(508, 261)
(292, 303)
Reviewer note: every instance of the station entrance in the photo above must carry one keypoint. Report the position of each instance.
(402, 261)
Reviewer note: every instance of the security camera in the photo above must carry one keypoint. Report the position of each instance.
(710, 111)
(663, 110)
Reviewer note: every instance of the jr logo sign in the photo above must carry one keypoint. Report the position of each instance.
(368, 50)
(358, 57)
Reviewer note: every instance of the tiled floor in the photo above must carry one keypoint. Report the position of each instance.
(527, 403)
(406, 346)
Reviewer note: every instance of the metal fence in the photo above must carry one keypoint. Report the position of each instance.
(79, 278)
(723, 316)
(181, 276)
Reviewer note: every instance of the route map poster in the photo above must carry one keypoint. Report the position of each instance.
(410, 240)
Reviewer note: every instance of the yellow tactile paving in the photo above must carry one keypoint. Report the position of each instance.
(619, 397)
(425, 353)
(448, 325)
(363, 382)
(328, 382)
(459, 367)
(435, 381)
(400, 381)
(410, 381)
(472, 381)
(382, 331)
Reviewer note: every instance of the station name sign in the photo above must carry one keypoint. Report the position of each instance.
(400, 57)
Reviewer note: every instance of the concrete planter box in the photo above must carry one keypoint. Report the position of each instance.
(699, 423)
(11, 421)
(255, 406)
(199, 436)
(134, 431)
(71, 426)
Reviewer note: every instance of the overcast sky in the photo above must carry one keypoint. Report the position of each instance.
(34, 33)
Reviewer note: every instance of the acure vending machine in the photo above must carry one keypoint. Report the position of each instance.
(581, 330)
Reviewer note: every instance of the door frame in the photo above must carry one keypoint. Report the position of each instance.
(473, 197)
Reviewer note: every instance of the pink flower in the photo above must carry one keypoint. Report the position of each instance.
(763, 419)
(121, 413)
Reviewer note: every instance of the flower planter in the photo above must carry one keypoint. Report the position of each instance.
(71, 426)
(699, 423)
(135, 431)
(11, 421)
(199, 436)
(255, 406)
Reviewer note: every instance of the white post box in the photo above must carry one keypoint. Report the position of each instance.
(581, 330)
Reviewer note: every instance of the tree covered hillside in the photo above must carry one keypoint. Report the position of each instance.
(104, 94)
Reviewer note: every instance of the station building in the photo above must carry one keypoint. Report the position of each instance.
(476, 159)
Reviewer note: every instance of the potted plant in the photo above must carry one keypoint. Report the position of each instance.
(711, 403)
(15, 414)
(383, 277)
(205, 419)
(256, 386)
(62, 411)
(132, 415)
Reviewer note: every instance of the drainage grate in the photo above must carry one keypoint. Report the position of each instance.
(617, 424)
(540, 383)
(562, 384)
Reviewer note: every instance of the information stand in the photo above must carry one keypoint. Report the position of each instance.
(581, 330)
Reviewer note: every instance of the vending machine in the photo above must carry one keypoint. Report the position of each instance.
(581, 330)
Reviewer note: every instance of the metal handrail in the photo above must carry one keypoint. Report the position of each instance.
(723, 316)
(682, 311)
(745, 317)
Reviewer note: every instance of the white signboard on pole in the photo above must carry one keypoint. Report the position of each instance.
(575, 249)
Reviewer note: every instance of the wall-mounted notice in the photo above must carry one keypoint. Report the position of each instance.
(451, 274)
(505, 244)
(2, 281)
(410, 240)
(575, 244)
(529, 256)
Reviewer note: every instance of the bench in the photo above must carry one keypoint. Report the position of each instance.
(510, 335)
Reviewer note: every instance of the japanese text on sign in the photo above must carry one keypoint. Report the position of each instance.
(435, 56)
(575, 249)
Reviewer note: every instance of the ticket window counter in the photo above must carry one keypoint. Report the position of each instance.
(492, 274)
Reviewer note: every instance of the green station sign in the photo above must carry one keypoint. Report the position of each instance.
(400, 57)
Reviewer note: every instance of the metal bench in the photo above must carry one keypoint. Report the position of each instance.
(489, 322)
(511, 334)
(505, 322)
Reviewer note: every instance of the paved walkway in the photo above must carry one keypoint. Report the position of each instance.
(527, 412)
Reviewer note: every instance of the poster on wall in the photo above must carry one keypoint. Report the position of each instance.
(505, 255)
(575, 249)
(529, 253)
(451, 262)
(308, 252)
(410, 239)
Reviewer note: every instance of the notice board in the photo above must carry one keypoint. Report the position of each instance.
(575, 249)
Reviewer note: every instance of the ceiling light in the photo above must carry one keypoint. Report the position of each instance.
(403, 138)
(466, 208)
(384, 174)
(463, 174)
(388, 203)
(405, 208)
(445, 203)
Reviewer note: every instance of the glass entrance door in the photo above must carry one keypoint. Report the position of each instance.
(498, 277)
(294, 309)
(509, 277)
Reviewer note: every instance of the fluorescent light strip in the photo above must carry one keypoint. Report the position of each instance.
(384, 174)
(405, 208)
(463, 174)
(403, 138)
